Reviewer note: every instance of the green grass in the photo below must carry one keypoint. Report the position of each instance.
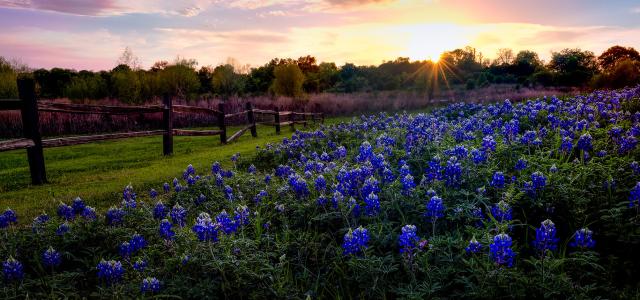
(98, 171)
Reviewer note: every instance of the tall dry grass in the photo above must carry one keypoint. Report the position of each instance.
(54, 124)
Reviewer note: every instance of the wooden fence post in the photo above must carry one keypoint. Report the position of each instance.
(277, 120)
(31, 128)
(251, 119)
(223, 127)
(167, 121)
(304, 118)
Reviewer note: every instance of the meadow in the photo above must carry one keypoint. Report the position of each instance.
(528, 199)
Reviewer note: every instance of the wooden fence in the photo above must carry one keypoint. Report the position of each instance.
(33, 142)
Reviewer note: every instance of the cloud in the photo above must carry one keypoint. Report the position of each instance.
(635, 10)
(188, 8)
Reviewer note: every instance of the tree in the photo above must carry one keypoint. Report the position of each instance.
(288, 80)
(573, 67)
(128, 58)
(8, 86)
(180, 78)
(612, 56)
(126, 86)
(226, 82)
(504, 56)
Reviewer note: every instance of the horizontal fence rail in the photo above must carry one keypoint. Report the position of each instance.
(32, 141)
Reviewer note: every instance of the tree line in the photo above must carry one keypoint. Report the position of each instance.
(616, 67)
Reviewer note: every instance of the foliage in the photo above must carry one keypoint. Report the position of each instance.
(8, 77)
(288, 81)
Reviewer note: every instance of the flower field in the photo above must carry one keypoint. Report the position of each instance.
(526, 200)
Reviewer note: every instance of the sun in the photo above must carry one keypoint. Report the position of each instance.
(429, 41)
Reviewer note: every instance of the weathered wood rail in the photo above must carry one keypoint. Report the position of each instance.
(32, 141)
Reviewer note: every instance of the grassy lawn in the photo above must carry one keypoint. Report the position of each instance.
(98, 171)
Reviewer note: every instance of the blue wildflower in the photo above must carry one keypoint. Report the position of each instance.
(497, 180)
(408, 239)
(583, 238)
(63, 229)
(225, 223)
(407, 185)
(89, 213)
(65, 212)
(140, 265)
(178, 215)
(12, 270)
(521, 164)
(205, 229)
(150, 285)
(355, 241)
(165, 230)
(500, 250)
(435, 208)
(501, 211)
(584, 142)
(634, 195)
(159, 211)
(78, 205)
(51, 258)
(474, 246)
(372, 204)
(546, 237)
(110, 271)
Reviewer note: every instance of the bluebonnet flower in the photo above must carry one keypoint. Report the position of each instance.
(65, 212)
(355, 241)
(372, 204)
(12, 270)
(366, 152)
(539, 180)
(435, 208)
(521, 164)
(583, 238)
(500, 250)
(488, 143)
(165, 187)
(178, 215)
(408, 239)
(159, 211)
(165, 230)
(453, 172)
(627, 144)
(476, 213)
(7, 218)
(251, 169)
(553, 168)
(129, 197)
(215, 168)
(320, 183)
(36, 225)
(153, 194)
(110, 271)
(528, 137)
(353, 205)
(497, 181)
(474, 246)
(322, 200)
(566, 145)
(89, 213)
(125, 250)
(478, 156)
(407, 185)
(546, 237)
(140, 265)
(225, 223)
(191, 180)
(51, 258)
(78, 205)
(63, 229)
(201, 199)
(205, 229)
(234, 157)
(370, 186)
(634, 195)
(185, 259)
(584, 142)
(501, 211)
(635, 167)
(387, 175)
(241, 215)
(137, 243)
(299, 185)
(150, 285)
(267, 178)
(260, 196)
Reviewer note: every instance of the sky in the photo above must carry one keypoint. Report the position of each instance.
(83, 34)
